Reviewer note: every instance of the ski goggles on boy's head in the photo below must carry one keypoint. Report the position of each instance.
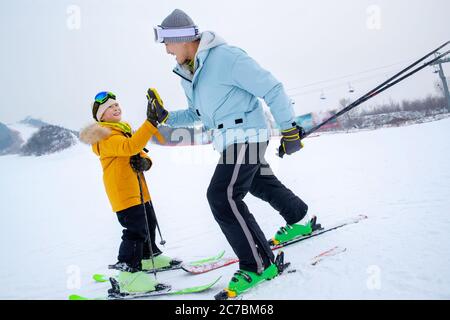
(175, 34)
(103, 96)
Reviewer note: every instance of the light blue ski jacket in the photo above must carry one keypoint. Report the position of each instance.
(223, 94)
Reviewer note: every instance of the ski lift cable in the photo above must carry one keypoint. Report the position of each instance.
(343, 84)
(385, 85)
(344, 77)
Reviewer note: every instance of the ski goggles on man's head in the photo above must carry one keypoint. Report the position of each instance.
(103, 96)
(161, 34)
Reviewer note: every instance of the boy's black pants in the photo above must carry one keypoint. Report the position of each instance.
(134, 246)
(241, 169)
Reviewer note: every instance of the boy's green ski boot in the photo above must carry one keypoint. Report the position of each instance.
(162, 262)
(132, 282)
(293, 231)
(244, 280)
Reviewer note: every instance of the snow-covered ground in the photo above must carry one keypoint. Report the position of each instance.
(57, 228)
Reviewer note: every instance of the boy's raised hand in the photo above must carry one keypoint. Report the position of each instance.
(155, 107)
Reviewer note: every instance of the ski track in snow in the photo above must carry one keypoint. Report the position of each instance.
(57, 222)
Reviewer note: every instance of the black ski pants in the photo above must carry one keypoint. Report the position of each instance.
(134, 246)
(241, 169)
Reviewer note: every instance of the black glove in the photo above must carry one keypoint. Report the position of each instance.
(155, 108)
(291, 141)
(152, 117)
(140, 164)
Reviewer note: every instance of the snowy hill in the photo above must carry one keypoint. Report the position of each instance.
(35, 137)
(32, 122)
(10, 140)
(49, 139)
(58, 229)
(24, 130)
(6, 138)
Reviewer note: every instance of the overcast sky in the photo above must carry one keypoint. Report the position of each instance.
(56, 54)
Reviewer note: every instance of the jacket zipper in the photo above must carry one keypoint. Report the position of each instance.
(182, 76)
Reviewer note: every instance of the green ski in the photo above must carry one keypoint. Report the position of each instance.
(99, 277)
(162, 291)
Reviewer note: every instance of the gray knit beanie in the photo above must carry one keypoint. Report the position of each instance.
(176, 20)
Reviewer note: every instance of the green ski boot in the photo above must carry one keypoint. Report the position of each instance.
(244, 280)
(135, 282)
(162, 262)
(292, 231)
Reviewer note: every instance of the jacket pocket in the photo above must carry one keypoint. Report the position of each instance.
(231, 121)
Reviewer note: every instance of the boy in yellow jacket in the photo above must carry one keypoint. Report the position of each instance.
(122, 160)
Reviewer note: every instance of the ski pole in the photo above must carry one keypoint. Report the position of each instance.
(408, 75)
(162, 242)
(384, 86)
(146, 225)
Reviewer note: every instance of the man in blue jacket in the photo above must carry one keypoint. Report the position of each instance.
(222, 85)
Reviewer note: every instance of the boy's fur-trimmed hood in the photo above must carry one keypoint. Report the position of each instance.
(94, 133)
